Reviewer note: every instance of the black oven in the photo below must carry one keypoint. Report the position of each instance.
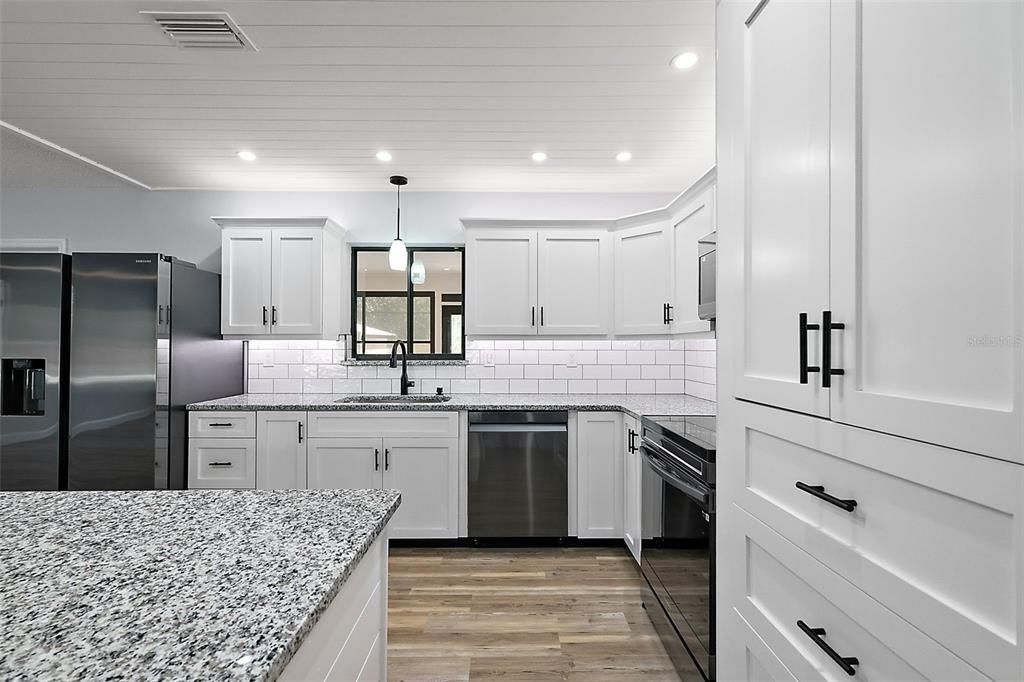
(678, 539)
(707, 256)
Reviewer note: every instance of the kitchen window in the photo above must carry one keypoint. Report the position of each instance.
(424, 304)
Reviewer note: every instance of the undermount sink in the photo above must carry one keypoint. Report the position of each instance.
(394, 399)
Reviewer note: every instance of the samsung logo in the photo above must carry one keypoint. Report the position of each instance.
(143, 261)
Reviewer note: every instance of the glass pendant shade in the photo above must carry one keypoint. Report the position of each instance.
(397, 255)
(418, 272)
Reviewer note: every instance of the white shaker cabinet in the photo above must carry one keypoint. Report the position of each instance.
(632, 485)
(281, 450)
(784, 231)
(501, 282)
(574, 287)
(283, 277)
(694, 220)
(643, 279)
(426, 472)
(927, 222)
(599, 471)
(344, 463)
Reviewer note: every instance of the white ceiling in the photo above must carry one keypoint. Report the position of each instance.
(460, 91)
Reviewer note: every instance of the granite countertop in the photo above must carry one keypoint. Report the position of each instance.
(637, 405)
(176, 585)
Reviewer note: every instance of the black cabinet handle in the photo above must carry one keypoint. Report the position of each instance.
(817, 636)
(273, 315)
(542, 316)
(819, 492)
(827, 371)
(220, 464)
(387, 459)
(264, 316)
(219, 424)
(668, 313)
(300, 431)
(664, 313)
(376, 459)
(533, 316)
(804, 328)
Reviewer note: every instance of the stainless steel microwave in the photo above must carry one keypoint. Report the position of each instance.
(707, 257)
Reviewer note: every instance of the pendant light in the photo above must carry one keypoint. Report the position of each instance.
(418, 272)
(398, 257)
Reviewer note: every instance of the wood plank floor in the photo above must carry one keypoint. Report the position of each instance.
(520, 614)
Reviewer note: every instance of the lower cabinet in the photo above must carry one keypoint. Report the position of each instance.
(906, 554)
(631, 480)
(280, 450)
(222, 463)
(599, 471)
(424, 470)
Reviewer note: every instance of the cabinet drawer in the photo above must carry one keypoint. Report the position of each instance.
(935, 534)
(222, 424)
(383, 424)
(785, 587)
(221, 463)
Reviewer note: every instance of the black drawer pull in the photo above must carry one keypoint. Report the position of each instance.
(804, 328)
(220, 464)
(817, 636)
(819, 492)
(220, 424)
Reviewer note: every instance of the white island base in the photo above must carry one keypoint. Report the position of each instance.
(350, 640)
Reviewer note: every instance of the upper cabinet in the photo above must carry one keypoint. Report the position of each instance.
(283, 277)
(643, 269)
(525, 281)
(874, 257)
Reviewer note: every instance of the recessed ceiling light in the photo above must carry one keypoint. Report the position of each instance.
(246, 155)
(383, 155)
(623, 156)
(539, 157)
(685, 60)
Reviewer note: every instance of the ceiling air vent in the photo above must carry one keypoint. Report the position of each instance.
(201, 30)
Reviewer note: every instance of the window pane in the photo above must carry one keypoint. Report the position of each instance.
(380, 303)
(443, 280)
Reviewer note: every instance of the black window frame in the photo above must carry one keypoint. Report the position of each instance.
(410, 293)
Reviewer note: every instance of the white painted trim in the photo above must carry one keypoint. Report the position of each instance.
(34, 245)
(644, 218)
(74, 155)
(299, 222)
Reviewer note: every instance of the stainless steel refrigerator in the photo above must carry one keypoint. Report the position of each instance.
(145, 341)
(34, 328)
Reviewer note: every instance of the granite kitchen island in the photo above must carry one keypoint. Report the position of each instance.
(196, 585)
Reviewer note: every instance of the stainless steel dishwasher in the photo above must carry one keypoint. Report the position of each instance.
(518, 474)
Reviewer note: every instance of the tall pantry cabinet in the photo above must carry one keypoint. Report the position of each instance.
(871, 300)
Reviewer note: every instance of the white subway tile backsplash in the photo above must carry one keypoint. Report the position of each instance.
(494, 386)
(465, 386)
(523, 386)
(553, 386)
(347, 386)
(519, 366)
(655, 372)
(508, 371)
(538, 371)
(626, 372)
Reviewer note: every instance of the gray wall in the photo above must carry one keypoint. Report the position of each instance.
(45, 194)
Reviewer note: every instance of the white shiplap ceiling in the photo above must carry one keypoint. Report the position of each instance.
(460, 92)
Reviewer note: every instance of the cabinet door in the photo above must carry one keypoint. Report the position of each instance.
(338, 463)
(927, 211)
(642, 279)
(426, 472)
(785, 236)
(245, 281)
(696, 220)
(297, 282)
(632, 471)
(599, 470)
(501, 282)
(221, 463)
(574, 282)
(281, 450)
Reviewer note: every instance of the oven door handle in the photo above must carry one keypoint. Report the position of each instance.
(680, 481)
(654, 448)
